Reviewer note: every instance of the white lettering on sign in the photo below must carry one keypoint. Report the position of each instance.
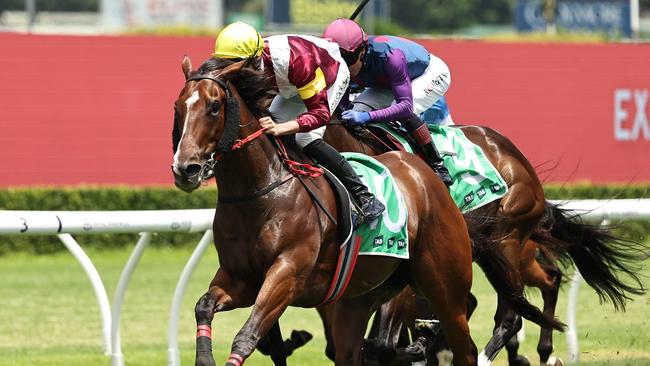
(625, 128)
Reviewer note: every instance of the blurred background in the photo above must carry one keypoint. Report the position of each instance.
(461, 18)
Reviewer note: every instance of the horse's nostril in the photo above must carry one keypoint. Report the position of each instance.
(193, 169)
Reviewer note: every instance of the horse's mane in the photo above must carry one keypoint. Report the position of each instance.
(254, 87)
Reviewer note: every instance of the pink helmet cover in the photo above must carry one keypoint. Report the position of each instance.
(347, 33)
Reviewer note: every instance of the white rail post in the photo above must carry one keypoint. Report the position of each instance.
(98, 286)
(572, 330)
(173, 355)
(117, 358)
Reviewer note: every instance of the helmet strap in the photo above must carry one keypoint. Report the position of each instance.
(249, 60)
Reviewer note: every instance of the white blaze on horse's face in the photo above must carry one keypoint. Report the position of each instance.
(189, 102)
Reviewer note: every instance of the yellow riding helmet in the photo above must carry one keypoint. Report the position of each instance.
(238, 40)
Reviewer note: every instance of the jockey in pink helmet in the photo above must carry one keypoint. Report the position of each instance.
(311, 78)
(401, 79)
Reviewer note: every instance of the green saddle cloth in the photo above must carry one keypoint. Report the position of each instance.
(388, 235)
(476, 180)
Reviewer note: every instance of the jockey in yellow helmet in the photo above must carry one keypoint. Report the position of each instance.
(311, 78)
(238, 41)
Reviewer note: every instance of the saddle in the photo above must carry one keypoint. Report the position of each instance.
(385, 236)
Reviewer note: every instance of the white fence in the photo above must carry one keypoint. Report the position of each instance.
(65, 223)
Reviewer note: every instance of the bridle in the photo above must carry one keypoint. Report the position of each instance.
(231, 128)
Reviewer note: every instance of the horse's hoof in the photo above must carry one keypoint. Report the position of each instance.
(554, 361)
(300, 338)
(520, 360)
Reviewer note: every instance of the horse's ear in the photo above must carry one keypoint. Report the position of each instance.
(232, 68)
(187, 66)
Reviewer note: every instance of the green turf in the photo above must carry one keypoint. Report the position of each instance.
(49, 315)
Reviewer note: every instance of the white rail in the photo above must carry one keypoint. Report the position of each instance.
(65, 223)
(601, 211)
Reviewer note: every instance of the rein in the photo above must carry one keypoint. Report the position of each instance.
(207, 168)
(365, 130)
(388, 148)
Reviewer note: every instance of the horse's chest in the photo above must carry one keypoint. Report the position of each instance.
(241, 251)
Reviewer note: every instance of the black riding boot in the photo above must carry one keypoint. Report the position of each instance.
(420, 133)
(331, 159)
(433, 158)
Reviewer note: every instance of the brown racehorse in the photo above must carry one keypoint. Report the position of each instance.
(277, 247)
(517, 213)
(400, 314)
(602, 258)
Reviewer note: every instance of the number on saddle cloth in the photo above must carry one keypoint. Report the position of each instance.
(387, 235)
(476, 181)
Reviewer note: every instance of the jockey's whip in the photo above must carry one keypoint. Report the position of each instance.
(358, 9)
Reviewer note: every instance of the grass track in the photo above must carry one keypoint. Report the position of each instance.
(49, 315)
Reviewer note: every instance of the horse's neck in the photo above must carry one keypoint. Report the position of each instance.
(250, 168)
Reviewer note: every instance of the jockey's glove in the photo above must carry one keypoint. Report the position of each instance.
(356, 118)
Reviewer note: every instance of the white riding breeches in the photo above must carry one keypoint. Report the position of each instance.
(426, 89)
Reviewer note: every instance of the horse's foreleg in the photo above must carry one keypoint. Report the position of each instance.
(279, 289)
(549, 294)
(224, 294)
(349, 325)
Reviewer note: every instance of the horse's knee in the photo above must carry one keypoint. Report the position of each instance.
(204, 309)
(555, 273)
(513, 343)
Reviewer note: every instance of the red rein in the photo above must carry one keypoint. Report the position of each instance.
(293, 166)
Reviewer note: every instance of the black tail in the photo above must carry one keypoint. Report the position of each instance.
(502, 277)
(609, 264)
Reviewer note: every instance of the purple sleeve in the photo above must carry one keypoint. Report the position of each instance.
(400, 82)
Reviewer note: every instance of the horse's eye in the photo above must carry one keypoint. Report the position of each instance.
(214, 108)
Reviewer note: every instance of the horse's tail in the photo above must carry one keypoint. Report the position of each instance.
(501, 275)
(609, 264)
